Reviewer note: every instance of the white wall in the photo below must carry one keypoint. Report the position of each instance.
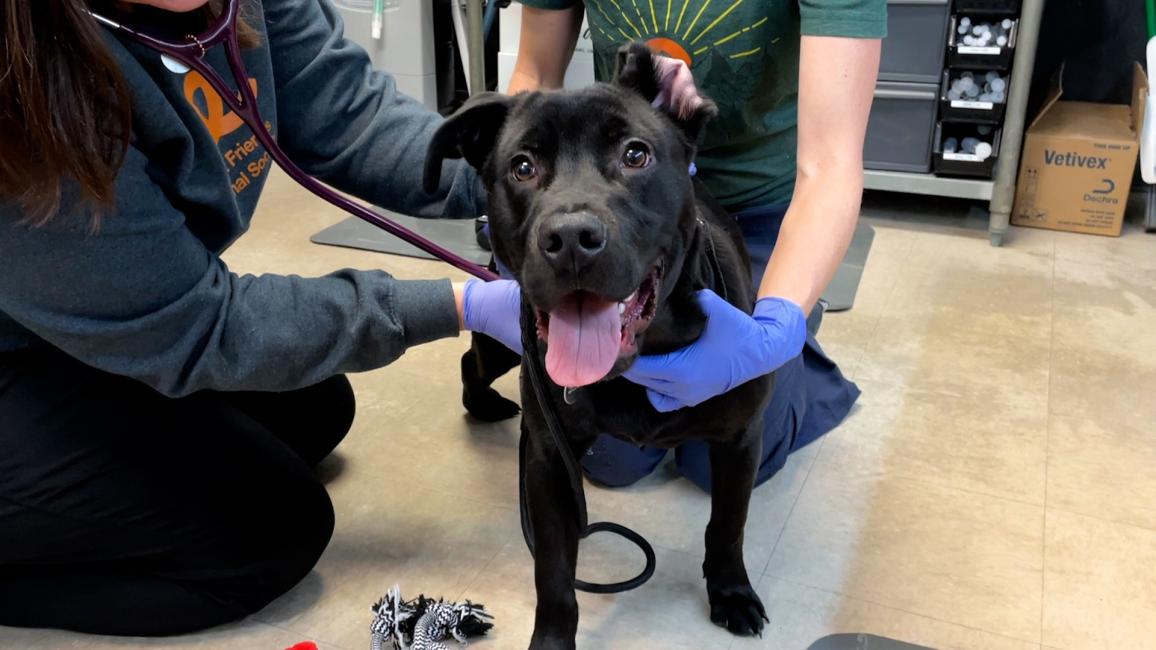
(405, 49)
(581, 70)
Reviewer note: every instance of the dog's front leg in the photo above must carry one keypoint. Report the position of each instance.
(733, 603)
(554, 523)
(482, 364)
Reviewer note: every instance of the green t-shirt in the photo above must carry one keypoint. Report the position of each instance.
(745, 56)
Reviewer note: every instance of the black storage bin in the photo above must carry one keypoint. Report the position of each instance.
(969, 111)
(913, 49)
(989, 7)
(901, 127)
(960, 164)
(965, 57)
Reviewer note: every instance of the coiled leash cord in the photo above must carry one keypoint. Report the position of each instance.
(573, 471)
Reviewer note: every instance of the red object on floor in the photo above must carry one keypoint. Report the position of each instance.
(304, 645)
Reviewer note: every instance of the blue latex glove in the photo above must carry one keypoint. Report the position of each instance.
(494, 309)
(733, 349)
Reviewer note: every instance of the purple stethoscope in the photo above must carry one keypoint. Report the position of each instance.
(190, 54)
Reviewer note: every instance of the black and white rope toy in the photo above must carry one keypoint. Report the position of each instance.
(422, 623)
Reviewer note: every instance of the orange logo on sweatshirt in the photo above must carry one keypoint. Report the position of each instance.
(214, 113)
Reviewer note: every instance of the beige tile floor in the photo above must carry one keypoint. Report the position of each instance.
(994, 489)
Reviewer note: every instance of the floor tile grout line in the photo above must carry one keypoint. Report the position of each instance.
(1044, 576)
(819, 454)
(890, 291)
(468, 583)
(1047, 451)
(933, 392)
(969, 491)
(794, 503)
(875, 321)
(900, 609)
(1103, 520)
(1005, 499)
(1104, 420)
(486, 565)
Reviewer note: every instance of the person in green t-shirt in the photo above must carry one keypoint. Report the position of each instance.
(793, 80)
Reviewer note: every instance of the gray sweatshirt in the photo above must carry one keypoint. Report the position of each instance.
(147, 295)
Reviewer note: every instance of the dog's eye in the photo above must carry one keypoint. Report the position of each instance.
(523, 169)
(636, 156)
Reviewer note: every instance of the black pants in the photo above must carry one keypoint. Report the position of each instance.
(126, 512)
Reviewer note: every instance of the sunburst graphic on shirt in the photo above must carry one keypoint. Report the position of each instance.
(677, 28)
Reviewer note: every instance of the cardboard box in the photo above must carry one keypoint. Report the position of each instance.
(1078, 160)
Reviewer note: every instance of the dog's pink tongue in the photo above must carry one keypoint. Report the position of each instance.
(584, 336)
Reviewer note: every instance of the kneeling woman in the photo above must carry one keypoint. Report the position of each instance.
(159, 414)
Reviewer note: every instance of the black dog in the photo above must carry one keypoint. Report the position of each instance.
(594, 212)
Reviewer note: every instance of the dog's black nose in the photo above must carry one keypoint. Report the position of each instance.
(572, 240)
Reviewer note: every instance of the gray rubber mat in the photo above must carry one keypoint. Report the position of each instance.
(862, 642)
(840, 294)
(454, 234)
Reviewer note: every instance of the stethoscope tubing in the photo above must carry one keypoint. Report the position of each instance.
(242, 101)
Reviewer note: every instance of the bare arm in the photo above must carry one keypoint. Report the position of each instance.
(836, 84)
(547, 41)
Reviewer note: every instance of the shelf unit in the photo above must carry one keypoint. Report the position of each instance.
(999, 192)
(929, 184)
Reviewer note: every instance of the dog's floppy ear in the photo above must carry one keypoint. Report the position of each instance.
(638, 70)
(693, 120)
(469, 133)
(635, 70)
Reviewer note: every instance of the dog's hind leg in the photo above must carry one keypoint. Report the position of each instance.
(733, 603)
(554, 530)
(482, 364)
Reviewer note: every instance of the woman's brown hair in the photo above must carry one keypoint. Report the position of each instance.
(65, 112)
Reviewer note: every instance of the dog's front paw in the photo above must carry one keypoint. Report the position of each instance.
(738, 609)
(488, 405)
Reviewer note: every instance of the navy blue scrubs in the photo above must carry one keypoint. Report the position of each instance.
(811, 396)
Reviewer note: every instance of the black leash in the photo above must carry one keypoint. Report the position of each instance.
(574, 472)
(530, 352)
(720, 280)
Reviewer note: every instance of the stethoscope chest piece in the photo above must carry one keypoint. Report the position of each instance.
(174, 66)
